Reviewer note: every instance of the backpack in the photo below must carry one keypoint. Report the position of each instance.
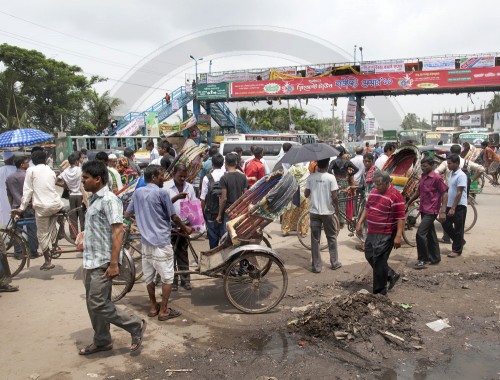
(212, 198)
(465, 169)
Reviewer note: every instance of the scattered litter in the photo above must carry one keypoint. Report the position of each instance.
(34, 376)
(438, 325)
(465, 286)
(179, 370)
(404, 279)
(363, 291)
(467, 318)
(92, 375)
(292, 322)
(300, 309)
(184, 320)
(406, 306)
(302, 342)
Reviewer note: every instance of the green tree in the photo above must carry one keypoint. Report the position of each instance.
(410, 121)
(99, 110)
(55, 91)
(494, 106)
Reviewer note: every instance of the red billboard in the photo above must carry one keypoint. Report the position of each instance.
(426, 81)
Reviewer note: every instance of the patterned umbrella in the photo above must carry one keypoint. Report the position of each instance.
(23, 137)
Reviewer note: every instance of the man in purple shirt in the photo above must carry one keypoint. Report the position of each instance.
(154, 212)
(433, 198)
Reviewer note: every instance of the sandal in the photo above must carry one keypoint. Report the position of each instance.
(420, 265)
(187, 286)
(151, 315)
(175, 287)
(137, 339)
(92, 349)
(172, 314)
(46, 266)
(8, 288)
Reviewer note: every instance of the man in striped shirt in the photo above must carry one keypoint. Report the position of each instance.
(385, 216)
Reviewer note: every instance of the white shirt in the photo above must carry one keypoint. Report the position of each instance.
(321, 186)
(118, 178)
(40, 184)
(381, 161)
(153, 155)
(217, 174)
(172, 191)
(358, 162)
(471, 167)
(72, 176)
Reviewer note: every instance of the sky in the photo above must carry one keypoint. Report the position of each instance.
(114, 39)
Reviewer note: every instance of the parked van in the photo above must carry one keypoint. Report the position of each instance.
(272, 149)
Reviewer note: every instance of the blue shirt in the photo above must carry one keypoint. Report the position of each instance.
(457, 179)
(206, 167)
(153, 210)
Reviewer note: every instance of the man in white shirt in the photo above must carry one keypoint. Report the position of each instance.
(358, 162)
(153, 152)
(115, 180)
(178, 190)
(40, 187)
(322, 188)
(215, 230)
(389, 149)
(71, 178)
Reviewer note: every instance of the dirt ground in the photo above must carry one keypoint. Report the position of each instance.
(326, 327)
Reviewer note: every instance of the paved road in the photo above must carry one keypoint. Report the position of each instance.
(45, 323)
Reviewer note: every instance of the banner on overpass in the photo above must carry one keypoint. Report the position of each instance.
(409, 81)
(211, 91)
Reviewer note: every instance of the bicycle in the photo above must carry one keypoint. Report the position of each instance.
(413, 220)
(359, 202)
(16, 239)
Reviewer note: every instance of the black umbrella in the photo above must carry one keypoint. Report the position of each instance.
(309, 152)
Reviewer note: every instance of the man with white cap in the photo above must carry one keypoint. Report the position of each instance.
(5, 171)
(115, 180)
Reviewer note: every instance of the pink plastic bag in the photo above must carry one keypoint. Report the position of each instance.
(191, 210)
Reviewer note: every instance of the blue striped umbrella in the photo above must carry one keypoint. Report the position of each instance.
(23, 137)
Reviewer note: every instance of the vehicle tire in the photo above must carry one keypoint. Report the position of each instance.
(69, 228)
(471, 217)
(123, 283)
(133, 247)
(255, 282)
(305, 239)
(11, 240)
(413, 219)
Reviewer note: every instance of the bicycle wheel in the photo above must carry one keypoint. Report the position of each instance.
(133, 247)
(305, 238)
(123, 283)
(249, 289)
(412, 221)
(71, 229)
(471, 218)
(16, 250)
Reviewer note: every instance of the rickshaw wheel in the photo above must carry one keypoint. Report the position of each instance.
(255, 282)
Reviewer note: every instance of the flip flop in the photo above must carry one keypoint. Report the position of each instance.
(173, 314)
(46, 266)
(137, 339)
(89, 350)
(151, 315)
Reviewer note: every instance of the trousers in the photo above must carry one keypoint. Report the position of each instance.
(102, 311)
(427, 241)
(454, 227)
(326, 221)
(378, 247)
(181, 259)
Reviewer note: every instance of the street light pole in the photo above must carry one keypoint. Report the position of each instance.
(195, 66)
(361, 51)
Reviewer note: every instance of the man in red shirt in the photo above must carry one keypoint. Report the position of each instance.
(385, 215)
(433, 193)
(491, 161)
(254, 169)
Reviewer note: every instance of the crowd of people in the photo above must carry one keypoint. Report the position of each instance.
(31, 188)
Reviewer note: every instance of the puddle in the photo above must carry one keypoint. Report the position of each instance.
(278, 346)
(480, 360)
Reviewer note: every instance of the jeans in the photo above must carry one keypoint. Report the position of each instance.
(326, 221)
(454, 227)
(378, 247)
(215, 231)
(181, 259)
(74, 202)
(102, 311)
(427, 241)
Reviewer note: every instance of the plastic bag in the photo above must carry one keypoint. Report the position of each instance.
(191, 210)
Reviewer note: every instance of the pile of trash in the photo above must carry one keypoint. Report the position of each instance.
(357, 317)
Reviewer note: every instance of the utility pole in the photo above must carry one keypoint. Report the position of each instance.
(333, 118)
(355, 54)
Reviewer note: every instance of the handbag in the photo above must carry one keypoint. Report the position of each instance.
(191, 210)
